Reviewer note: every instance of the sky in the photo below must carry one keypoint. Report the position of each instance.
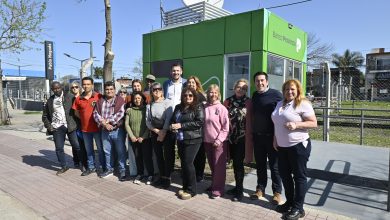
(348, 24)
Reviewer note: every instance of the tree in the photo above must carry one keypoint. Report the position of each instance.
(348, 59)
(108, 53)
(317, 52)
(98, 72)
(21, 23)
(138, 68)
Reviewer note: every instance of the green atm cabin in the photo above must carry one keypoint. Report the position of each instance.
(225, 49)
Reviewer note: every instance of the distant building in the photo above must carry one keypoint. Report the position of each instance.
(348, 89)
(378, 75)
(125, 82)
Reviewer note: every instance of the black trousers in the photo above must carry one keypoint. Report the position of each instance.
(237, 154)
(187, 153)
(263, 149)
(200, 162)
(293, 170)
(82, 158)
(169, 153)
(59, 141)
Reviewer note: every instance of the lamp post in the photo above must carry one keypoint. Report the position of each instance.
(81, 61)
(90, 51)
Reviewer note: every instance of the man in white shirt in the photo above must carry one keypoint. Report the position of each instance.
(58, 118)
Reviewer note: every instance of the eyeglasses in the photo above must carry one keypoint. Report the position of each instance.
(188, 95)
(74, 87)
(124, 92)
(157, 89)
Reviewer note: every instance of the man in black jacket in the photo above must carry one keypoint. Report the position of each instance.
(58, 118)
(264, 101)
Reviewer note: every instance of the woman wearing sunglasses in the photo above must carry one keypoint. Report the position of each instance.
(187, 121)
(158, 115)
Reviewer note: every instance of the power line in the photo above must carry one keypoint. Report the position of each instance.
(294, 3)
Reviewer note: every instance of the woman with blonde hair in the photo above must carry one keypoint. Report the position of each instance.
(216, 130)
(80, 161)
(292, 117)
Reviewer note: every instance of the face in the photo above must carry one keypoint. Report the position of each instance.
(156, 92)
(123, 94)
(109, 91)
(261, 83)
(137, 87)
(240, 89)
(87, 86)
(137, 100)
(149, 83)
(74, 89)
(191, 84)
(57, 89)
(213, 95)
(176, 72)
(291, 92)
(188, 97)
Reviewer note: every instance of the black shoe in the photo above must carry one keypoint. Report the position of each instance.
(88, 171)
(199, 179)
(157, 183)
(122, 176)
(62, 170)
(106, 174)
(237, 197)
(295, 214)
(283, 208)
(166, 183)
(232, 192)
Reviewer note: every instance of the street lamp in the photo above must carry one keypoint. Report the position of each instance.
(81, 66)
(90, 51)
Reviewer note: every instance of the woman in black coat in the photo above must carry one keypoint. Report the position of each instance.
(187, 121)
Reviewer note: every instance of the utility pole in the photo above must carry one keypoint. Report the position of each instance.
(2, 115)
(90, 52)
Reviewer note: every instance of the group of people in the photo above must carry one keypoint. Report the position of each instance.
(272, 126)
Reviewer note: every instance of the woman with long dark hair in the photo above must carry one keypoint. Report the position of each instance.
(187, 121)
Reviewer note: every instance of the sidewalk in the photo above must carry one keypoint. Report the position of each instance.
(28, 165)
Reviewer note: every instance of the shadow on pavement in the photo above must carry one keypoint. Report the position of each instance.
(46, 160)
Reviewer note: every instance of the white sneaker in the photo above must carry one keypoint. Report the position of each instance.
(149, 180)
(137, 180)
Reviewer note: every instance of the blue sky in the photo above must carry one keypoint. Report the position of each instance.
(348, 24)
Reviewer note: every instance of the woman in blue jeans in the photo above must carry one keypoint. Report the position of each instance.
(292, 117)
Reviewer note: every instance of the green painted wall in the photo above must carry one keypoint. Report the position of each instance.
(146, 68)
(146, 48)
(167, 44)
(204, 39)
(257, 29)
(206, 69)
(238, 33)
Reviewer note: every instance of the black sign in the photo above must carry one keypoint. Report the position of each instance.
(163, 68)
(49, 60)
(382, 76)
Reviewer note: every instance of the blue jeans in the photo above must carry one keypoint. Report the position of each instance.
(113, 140)
(59, 141)
(88, 142)
(132, 162)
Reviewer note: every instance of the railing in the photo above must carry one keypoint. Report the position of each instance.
(193, 13)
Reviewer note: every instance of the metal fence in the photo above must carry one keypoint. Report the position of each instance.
(355, 125)
(33, 88)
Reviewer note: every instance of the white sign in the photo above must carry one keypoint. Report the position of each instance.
(14, 78)
(383, 91)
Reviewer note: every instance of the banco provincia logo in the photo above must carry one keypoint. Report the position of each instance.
(298, 45)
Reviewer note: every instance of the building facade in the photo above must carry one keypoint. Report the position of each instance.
(378, 75)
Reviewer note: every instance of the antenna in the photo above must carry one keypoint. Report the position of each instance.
(216, 3)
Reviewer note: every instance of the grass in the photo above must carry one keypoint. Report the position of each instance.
(33, 112)
(377, 105)
(351, 135)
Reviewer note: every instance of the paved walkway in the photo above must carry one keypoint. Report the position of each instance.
(30, 188)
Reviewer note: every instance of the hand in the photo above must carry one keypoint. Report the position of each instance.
(109, 127)
(161, 135)
(140, 139)
(133, 139)
(51, 129)
(291, 125)
(155, 130)
(216, 144)
(175, 126)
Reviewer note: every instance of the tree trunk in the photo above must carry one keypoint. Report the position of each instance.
(108, 54)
